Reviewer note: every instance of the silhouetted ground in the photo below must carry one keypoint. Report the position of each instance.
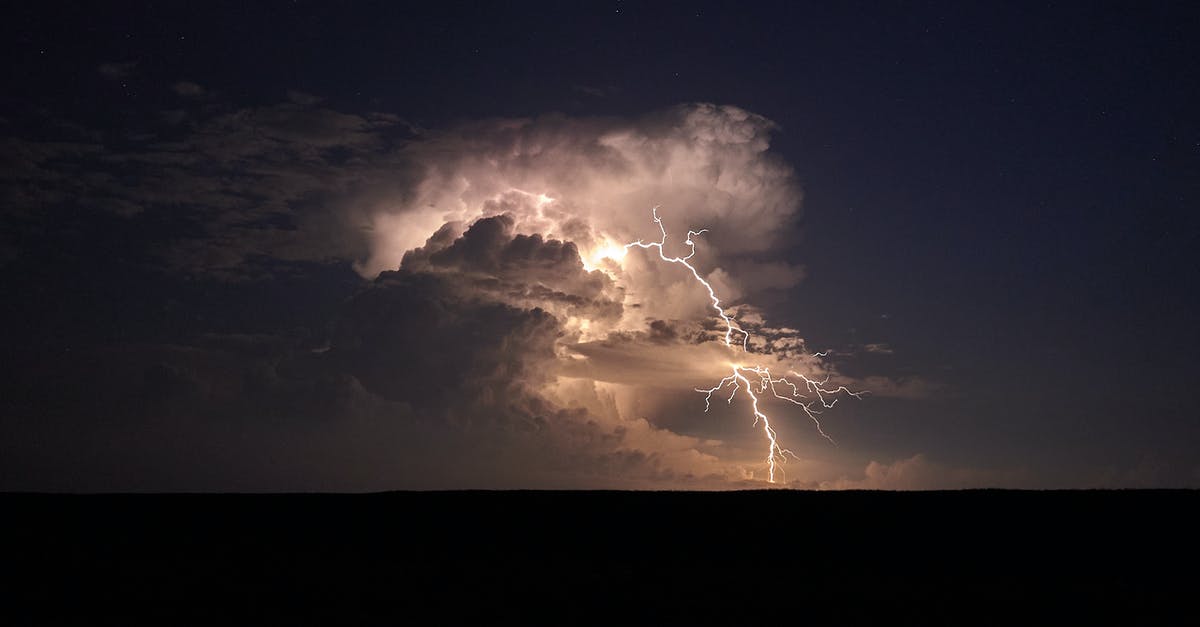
(738, 558)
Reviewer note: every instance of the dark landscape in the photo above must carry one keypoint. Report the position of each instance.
(969, 557)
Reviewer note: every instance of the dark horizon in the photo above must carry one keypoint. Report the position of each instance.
(601, 558)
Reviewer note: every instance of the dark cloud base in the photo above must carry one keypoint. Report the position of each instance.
(425, 377)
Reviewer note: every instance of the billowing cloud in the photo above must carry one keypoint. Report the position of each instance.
(460, 335)
(593, 181)
(504, 334)
(299, 182)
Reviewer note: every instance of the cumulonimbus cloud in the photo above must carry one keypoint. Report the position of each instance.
(500, 303)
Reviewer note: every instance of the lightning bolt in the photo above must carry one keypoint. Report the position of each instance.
(743, 377)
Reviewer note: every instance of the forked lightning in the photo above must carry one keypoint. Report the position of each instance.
(743, 377)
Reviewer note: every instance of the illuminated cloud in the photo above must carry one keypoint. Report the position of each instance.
(593, 180)
(505, 336)
(298, 182)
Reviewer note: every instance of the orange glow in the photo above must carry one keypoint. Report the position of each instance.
(611, 251)
(605, 251)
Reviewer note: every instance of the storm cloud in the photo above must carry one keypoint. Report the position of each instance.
(499, 333)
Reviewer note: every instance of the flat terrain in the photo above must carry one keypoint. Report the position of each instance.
(973, 557)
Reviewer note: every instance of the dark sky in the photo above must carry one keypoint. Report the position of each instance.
(998, 205)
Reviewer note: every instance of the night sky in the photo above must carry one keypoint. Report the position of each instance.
(313, 246)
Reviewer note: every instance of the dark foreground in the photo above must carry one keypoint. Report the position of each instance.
(979, 557)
